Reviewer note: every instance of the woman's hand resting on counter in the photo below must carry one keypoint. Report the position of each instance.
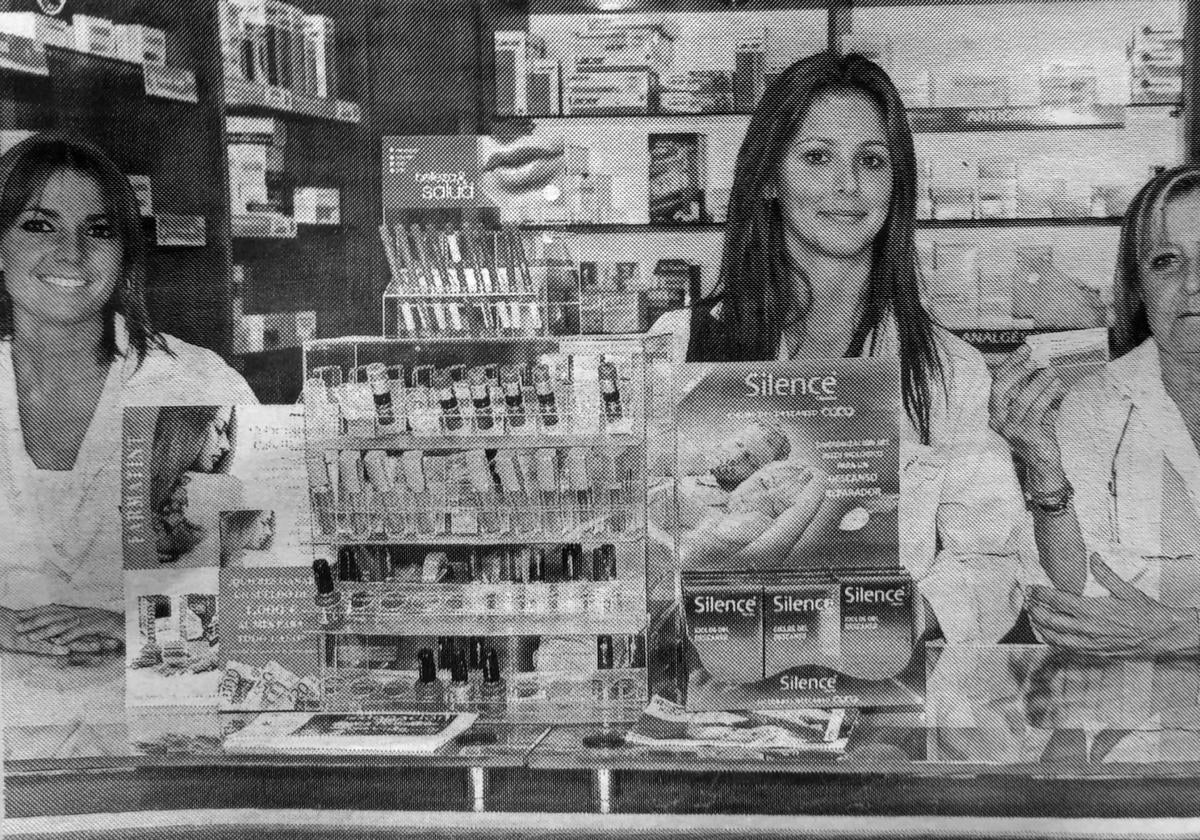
(1130, 623)
(69, 629)
(1024, 410)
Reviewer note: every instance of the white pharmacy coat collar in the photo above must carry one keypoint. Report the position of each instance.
(95, 456)
(1156, 431)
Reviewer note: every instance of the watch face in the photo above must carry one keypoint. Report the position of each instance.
(51, 7)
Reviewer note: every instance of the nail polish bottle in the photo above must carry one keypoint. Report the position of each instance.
(481, 400)
(568, 587)
(428, 690)
(445, 658)
(514, 397)
(461, 693)
(537, 592)
(601, 693)
(544, 388)
(330, 612)
(493, 693)
(610, 394)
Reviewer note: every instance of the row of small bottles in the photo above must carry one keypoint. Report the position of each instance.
(453, 263)
(579, 582)
(564, 395)
(507, 491)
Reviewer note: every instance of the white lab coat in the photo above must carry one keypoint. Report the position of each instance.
(1118, 433)
(960, 489)
(61, 540)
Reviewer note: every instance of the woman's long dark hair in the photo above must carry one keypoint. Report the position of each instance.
(179, 436)
(754, 286)
(24, 171)
(1143, 220)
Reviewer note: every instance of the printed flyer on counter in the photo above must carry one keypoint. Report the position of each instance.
(787, 507)
(214, 486)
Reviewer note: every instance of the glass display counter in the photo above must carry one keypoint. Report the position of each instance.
(1018, 732)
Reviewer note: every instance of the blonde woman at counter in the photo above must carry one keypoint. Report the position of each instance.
(819, 261)
(77, 347)
(1112, 471)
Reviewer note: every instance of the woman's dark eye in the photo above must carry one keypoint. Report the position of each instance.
(102, 230)
(816, 156)
(874, 161)
(1164, 261)
(37, 226)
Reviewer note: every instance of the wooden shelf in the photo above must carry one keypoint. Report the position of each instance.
(243, 95)
(23, 57)
(922, 224)
(925, 120)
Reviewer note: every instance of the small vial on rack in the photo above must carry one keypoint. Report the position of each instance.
(428, 690)
(548, 487)
(569, 596)
(447, 398)
(461, 694)
(537, 592)
(604, 662)
(544, 388)
(610, 393)
(481, 399)
(514, 397)
(330, 612)
(322, 493)
(493, 693)
(581, 483)
(381, 393)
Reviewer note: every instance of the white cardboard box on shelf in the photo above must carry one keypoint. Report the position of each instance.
(247, 176)
(45, 30)
(317, 206)
(141, 44)
(95, 35)
(512, 69)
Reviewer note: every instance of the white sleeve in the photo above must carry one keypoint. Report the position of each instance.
(974, 583)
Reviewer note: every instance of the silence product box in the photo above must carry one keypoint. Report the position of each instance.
(512, 70)
(801, 622)
(95, 35)
(802, 640)
(615, 92)
(45, 30)
(678, 177)
(723, 615)
(788, 492)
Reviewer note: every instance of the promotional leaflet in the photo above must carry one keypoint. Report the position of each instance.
(172, 642)
(787, 496)
(270, 648)
(377, 733)
(214, 486)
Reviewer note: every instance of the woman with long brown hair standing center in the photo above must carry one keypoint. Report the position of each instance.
(820, 262)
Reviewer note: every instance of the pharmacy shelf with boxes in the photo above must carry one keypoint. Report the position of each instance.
(478, 507)
(26, 37)
(1017, 228)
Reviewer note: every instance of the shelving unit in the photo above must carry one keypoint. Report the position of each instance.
(575, 501)
(1126, 133)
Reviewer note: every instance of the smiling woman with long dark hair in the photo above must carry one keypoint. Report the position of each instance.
(76, 347)
(819, 261)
